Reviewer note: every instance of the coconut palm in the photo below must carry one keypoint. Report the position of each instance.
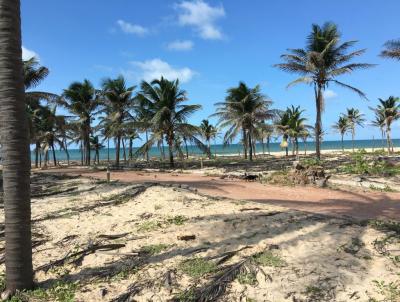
(380, 122)
(392, 50)
(322, 61)
(167, 115)
(354, 118)
(388, 111)
(263, 134)
(96, 147)
(296, 126)
(82, 100)
(243, 110)
(282, 125)
(208, 132)
(15, 152)
(342, 126)
(119, 102)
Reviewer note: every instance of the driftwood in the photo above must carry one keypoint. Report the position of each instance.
(186, 237)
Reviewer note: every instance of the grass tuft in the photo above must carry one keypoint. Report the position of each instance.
(197, 267)
(267, 258)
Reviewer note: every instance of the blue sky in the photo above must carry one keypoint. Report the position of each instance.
(211, 46)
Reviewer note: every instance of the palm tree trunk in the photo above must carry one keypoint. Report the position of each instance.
(186, 148)
(123, 149)
(388, 130)
(250, 146)
(54, 155)
(171, 153)
(352, 137)
(81, 149)
(98, 156)
(130, 148)
(15, 152)
(296, 140)
(117, 147)
(244, 143)
(268, 149)
(209, 148)
(37, 149)
(342, 144)
(108, 150)
(318, 122)
(147, 147)
(66, 151)
(305, 147)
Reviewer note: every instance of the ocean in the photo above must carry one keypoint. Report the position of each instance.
(236, 149)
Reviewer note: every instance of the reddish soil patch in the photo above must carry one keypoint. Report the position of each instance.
(354, 203)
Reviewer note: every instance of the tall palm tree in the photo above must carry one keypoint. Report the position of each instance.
(296, 126)
(322, 61)
(119, 102)
(82, 100)
(243, 110)
(208, 132)
(392, 50)
(354, 118)
(389, 111)
(164, 100)
(96, 147)
(15, 151)
(342, 126)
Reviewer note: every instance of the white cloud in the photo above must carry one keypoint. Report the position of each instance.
(27, 54)
(135, 29)
(330, 94)
(155, 68)
(202, 17)
(180, 45)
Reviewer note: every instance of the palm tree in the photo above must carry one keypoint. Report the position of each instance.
(208, 132)
(96, 147)
(392, 50)
(342, 126)
(282, 125)
(305, 134)
(164, 100)
(264, 133)
(388, 111)
(243, 110)
(296, 126)
(322, 61)
(15, 152)
(380, 122)
(354, 118)
(119, 102)
(82, 100)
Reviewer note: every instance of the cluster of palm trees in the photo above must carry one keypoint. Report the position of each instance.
(386, 112)
(158, 110)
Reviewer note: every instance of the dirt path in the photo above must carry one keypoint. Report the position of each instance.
(355, 203)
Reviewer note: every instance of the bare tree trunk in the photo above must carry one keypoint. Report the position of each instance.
(15, 152)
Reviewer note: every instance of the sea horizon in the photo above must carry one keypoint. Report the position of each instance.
(234, 149)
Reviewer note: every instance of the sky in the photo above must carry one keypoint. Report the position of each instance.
(211, 46)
